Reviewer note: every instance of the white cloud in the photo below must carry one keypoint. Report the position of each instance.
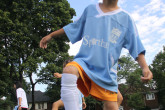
(136, 16)
(100, 1)
(160, 22)
(150, 20)
(152, 50)
(74, 48)
(92, 0)
(146, 41)
(153, 6)
(162, 31)
(162, 39)
(148, 24)
(121, 2)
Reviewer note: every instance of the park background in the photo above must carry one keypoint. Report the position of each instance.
(24, 23)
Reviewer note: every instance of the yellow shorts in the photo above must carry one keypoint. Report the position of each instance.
(88, 87)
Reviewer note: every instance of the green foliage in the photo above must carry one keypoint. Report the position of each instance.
(22, 25)
(133, 88)
(53, 90)
(93, 104)
(54, 84)
(4, 76)
(136, 101)
(128, 65)
(135, 83)
(5, 102)
(146, 108)
(158, 69)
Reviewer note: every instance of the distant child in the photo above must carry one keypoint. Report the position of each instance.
(104, 29)
(21, 97)
(59, 104)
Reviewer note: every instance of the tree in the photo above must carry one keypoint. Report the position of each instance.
(133, 88)
(22, 25)
(127, 66)
(54, 90)
(136, 100)
(158, 70)
(93, 104)
(54, 84)
(4, 76)
(5, 85)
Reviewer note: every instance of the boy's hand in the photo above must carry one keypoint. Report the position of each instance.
(44, 41)
(147, 75)
(19, 108)
(84, 105)
(57, 75)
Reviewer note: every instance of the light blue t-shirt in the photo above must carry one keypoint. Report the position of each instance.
(16, 108)
(104, 35)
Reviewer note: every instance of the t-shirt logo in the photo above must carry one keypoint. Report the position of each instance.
(94, 42)
(115, 34)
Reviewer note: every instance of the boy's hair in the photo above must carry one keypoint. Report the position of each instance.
(113, 1)
(18, 84)
(67, 61)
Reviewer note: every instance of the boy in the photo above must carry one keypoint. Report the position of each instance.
(59, 103)
(105, 29)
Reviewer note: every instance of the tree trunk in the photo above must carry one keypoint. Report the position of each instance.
(33, 100)
(33, 88)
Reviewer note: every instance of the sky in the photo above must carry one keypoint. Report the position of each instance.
(149, 16)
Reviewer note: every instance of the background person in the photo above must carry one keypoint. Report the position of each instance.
(21, 96)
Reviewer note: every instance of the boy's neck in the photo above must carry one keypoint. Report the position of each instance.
(109, 5)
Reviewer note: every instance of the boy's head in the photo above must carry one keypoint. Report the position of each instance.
(111, 1)
(67, 61)
(17, 85)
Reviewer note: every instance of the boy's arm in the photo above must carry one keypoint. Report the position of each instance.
(83, 103)
(147, 74)
(83, 100)
(19, 106)
(46, 39)
(57, 75)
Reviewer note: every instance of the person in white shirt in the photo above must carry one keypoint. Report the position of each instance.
(21, 96)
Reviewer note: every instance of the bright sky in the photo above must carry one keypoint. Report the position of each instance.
(149, 16)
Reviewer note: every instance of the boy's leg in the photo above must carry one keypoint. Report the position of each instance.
(108, 105)
(119, 98)
(69, 91)
(57, 105)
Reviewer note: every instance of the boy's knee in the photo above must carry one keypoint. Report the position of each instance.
(120, 99)
(71, 70)
(55, 104)
(119, 102)
(110, 106)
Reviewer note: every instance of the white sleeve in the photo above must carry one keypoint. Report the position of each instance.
(19, 93)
